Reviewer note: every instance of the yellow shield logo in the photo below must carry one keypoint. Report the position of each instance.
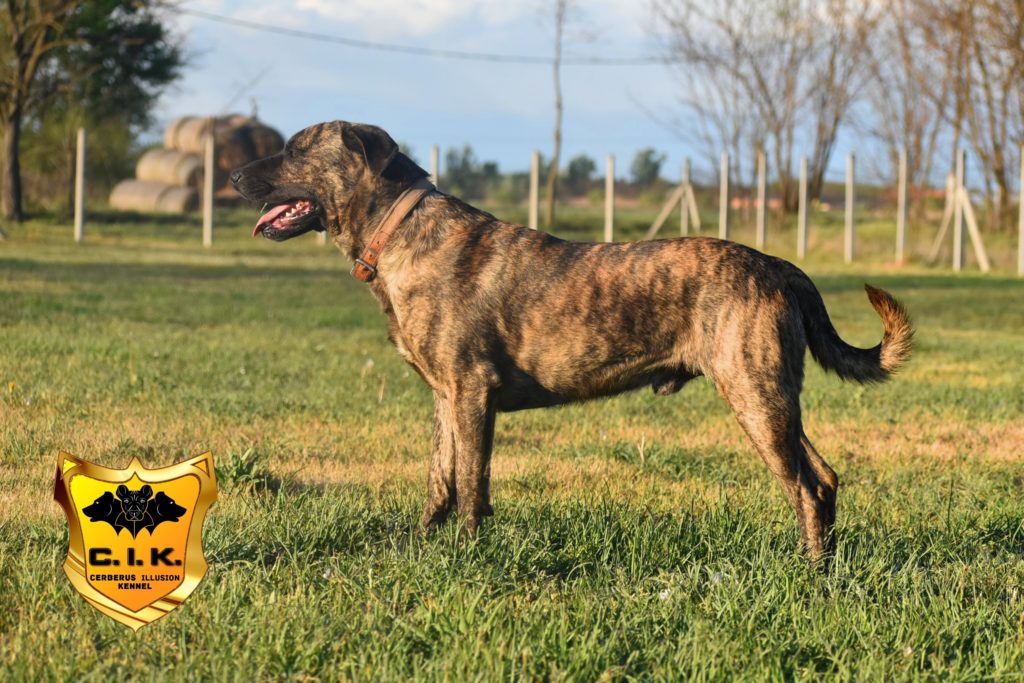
(135, 547)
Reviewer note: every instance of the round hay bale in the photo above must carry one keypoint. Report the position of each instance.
(239, 140)
(149, 196)
(188, 134)
(191, 135)
(172, 131)
(170, 166)
(265, 140)
(246, 143)
(178, 200)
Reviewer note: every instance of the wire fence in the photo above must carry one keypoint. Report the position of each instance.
(958, 215)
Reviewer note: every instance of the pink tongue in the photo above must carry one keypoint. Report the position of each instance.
(269, 217)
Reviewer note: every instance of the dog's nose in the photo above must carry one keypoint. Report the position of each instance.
(236, 176)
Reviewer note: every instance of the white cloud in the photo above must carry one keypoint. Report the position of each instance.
(414, 17)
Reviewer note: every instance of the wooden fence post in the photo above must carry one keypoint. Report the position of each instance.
(1020, 218)
(684, 203)
(801, 222)
(948, 210)
(972, 230)
(676, 197)
(723, 198)
(435, 165)
(762, 193)
(609, 199)
(848, 236)
(208, 172)
(80, 187)
(901, 208)
(958, 213)
(534, 190)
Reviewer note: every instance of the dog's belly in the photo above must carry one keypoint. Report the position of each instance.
(521, 391)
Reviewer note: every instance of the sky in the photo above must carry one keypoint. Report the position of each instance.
(503, 110)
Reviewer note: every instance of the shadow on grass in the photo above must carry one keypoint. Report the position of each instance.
(110, 273)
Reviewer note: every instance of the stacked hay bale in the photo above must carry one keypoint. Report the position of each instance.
(148, 196)
(170, 180)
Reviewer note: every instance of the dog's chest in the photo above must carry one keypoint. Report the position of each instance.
(417, 330)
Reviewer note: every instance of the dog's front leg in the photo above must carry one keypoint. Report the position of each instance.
(441, 478)
(474, 438)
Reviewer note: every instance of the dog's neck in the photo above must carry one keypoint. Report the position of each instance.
(356, 222)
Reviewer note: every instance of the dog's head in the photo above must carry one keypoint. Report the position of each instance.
(134, 503)
(324, 179)
(104, 508)
(164, 509)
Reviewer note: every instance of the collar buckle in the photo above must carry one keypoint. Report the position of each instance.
(363, 271)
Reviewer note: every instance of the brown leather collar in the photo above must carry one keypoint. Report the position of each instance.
(365, 268)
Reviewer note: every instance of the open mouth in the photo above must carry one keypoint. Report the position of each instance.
(289, 219)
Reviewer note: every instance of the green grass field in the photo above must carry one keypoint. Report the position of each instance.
(638, 538)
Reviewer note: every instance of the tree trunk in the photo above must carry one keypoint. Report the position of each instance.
(552, 189)
(788, 188)
(11, 167)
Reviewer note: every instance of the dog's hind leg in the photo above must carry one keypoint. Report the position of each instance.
(758, 368)
(441, 478)
(773, 424)
(828, 479)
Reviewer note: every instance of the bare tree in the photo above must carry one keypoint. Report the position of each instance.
(723, 87)
(723, 118)
(1012, 38)
(791, 63)
(981, 49)
(993, 105)
(561, 10)
(907, 92)
(946, 26)
(837, 75)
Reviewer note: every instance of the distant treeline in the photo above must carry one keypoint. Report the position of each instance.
(464, 175)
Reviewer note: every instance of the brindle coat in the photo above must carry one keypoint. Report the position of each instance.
(497, 317)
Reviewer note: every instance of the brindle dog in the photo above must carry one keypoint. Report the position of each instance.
(497, 317)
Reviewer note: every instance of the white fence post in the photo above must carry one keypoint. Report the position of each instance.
(723, 198)
(534, 190)
(958, 213)
(848, 236)
(762, 192)
(609, 199)
(684, 201)
(208, 172)
(901, 208)
(435, 165)
(801, 223)
(80, 187)
(972, 230)
(1020, 218)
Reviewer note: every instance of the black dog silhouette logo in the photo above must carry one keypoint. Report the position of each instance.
(134, 510)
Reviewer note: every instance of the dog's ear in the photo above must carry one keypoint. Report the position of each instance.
(122, 491)
(146, 491)
(376, 146)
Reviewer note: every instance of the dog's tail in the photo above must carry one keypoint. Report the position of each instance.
(850, 362)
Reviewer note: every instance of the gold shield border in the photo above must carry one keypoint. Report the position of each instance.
(69, 466)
